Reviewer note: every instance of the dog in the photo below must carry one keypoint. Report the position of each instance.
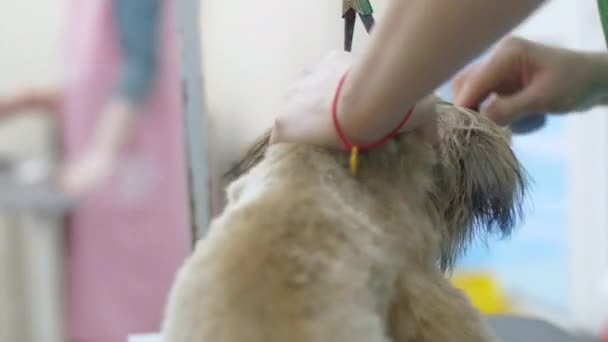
(306, 252)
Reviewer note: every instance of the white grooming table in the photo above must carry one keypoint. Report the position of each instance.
(145, 338)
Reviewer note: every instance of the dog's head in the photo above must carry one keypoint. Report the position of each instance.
(479, 185)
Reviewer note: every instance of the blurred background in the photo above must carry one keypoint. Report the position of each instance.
(555, 266)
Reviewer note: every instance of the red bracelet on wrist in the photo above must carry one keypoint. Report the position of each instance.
(354, 161)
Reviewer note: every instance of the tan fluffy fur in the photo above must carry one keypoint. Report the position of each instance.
(305, 252)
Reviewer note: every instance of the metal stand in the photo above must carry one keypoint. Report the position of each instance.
(195, 117)
(31, 260)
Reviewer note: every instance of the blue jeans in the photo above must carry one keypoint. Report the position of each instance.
(138, 24)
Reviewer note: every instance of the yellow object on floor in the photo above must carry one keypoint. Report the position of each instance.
(484, 292)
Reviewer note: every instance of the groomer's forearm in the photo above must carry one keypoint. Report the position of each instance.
(416, 46)
(598, 74)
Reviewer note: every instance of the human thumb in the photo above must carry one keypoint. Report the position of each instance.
(505, 109)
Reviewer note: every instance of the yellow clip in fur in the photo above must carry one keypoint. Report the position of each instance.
(354, 160)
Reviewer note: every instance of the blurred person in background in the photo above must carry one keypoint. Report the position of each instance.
(122, 138)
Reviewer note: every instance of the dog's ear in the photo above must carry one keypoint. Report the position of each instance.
(251, 158)
(481, 184)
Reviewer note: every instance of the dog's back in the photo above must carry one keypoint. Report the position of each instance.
(303, 252)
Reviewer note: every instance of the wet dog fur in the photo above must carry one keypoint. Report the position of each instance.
(306, 252)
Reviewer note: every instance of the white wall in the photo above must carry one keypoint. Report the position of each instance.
(30, 47)
(30, 39)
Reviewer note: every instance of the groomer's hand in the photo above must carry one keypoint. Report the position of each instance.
(522, 78)
(305, 115)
